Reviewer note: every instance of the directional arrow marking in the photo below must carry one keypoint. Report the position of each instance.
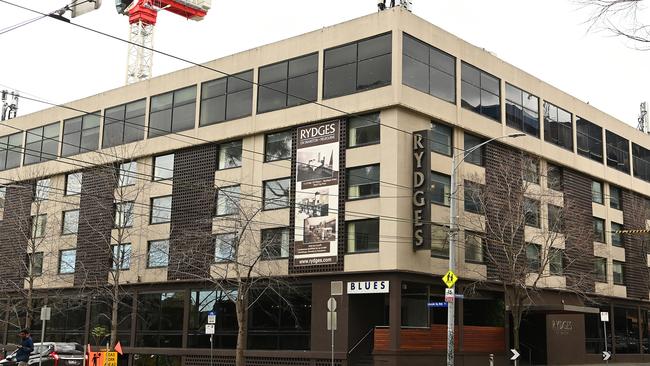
(606, 355)
(515, 354)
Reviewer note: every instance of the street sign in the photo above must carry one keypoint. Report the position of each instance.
(331, 304)
(209, 329)
(212, 317)
(606, 355)
(46, 313)
(437, 304)
(449, 279)
(515, 354)
(111, 359)
(604, 316)
(331, 320)
(449, 295)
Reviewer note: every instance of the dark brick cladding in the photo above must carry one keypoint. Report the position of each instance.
(15, 228)
(636, 267)
(193, 200)
(96, 206)
(579, 220)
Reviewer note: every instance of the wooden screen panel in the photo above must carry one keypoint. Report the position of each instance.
(475, 339)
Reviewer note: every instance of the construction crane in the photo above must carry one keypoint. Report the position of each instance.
(142, 19)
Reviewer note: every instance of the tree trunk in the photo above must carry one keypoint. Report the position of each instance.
(29, 302)
(242, 332)
(114, 320)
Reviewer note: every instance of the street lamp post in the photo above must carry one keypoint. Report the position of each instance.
(453, 231)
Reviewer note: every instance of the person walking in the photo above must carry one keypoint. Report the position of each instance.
(26, 347)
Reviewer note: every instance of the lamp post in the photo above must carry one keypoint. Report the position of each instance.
(453, 231)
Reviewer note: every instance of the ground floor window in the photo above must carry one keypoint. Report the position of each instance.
(626, 330)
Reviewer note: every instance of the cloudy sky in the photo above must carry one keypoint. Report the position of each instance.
(57, 62)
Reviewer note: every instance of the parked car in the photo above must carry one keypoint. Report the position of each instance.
(51, 354)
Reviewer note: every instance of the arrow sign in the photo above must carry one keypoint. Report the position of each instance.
(606, 355)
(515, 354)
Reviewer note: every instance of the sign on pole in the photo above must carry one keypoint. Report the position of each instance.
(604, 316)
(331, 320)
(515, 355)
(111, 359)
(46, 313)
(331, 304)
(209, 329)
(212, 317)
(449, 295)
(449, 279)
(606, 355)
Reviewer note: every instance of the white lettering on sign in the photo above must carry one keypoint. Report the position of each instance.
(318, 131)
(368, 287)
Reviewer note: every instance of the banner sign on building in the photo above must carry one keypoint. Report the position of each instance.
(317, 194)
(368, 287)
(421, 181)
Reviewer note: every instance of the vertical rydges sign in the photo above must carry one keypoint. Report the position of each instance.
(421, 183)
(317, 189)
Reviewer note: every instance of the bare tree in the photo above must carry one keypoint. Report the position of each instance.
(531, 240)
(621, 18)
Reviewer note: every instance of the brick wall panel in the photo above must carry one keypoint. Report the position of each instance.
(15, 229)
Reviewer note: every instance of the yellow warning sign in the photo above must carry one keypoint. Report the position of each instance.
(449, 279)
(111, 359)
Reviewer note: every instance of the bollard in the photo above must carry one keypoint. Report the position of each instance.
(491, 359)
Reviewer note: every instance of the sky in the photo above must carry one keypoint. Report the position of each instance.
(549, 39)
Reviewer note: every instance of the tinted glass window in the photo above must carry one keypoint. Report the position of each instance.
(641, 162)
(70, 222)
(124, 123)
(615, 197)
(287, 83)
(428, 69)
(590, 139)
(531, 212)
(121, 256)
(42, 144)
(597, 192)
(275, 243)
(67, 259)
(278, 146)
(600, 269)
(161, 210)
(11, 149)
(276, 193)
(123, 214)
(363, 130)
(522, 110)
(558, 128)
(127, 174)
(442, 138)
(440, 188)
(618, 156)
(80, 134)
(363, 182)
(554, 177)
(358, 66)
(228, 200)
(172, 112)
(473, 197)
(230, 154)
(473, 247)
(599, 230)
(533, 256)
(476, 155)
(616, 237)
(163, 167)
(480, 92)
(160, 320)
(363, 235)
(158, 255)
(439, 241)
(73, 183)
(618, 269)
(227, 98)
(224, 247)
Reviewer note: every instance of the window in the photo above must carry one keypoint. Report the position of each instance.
(440, 188)
(533, 256)
(522, 110)
(473, 247)
(275, 243)
(276, 193)
(364, 130)
(42, 144)
(599, 230)
(224, 247)
(600, 269)
(439, 241)
(67, 259)
(363, 235)
(35, 260)
(363, 182)
(618, 268)
(172, 112)
(618, 155)
(556, 261)
(480, 92)
(70, 222)
(616, 237)
(39, 222)
(558, 128)
(442, 137)
(590, 139)
(127, 174)
(477, 155)
(3, 195)
(277, 146)
(357, 66)
(123, 214)
(597, 192)
(472, 195)
(163, 167)
(80, 134)
(230, 155)
(287, 83)
(641, 162)
(73, 183)
(124, 123)
(228, 200)
(554, 175)
(531, 212)
(555, 218)
(121, 256)
(227, 98)
(161, 210)
(615, 197)
(531, 170)
(160, 323)
(11, 148)
(42, 191)
(158, 254)
(428, 69)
